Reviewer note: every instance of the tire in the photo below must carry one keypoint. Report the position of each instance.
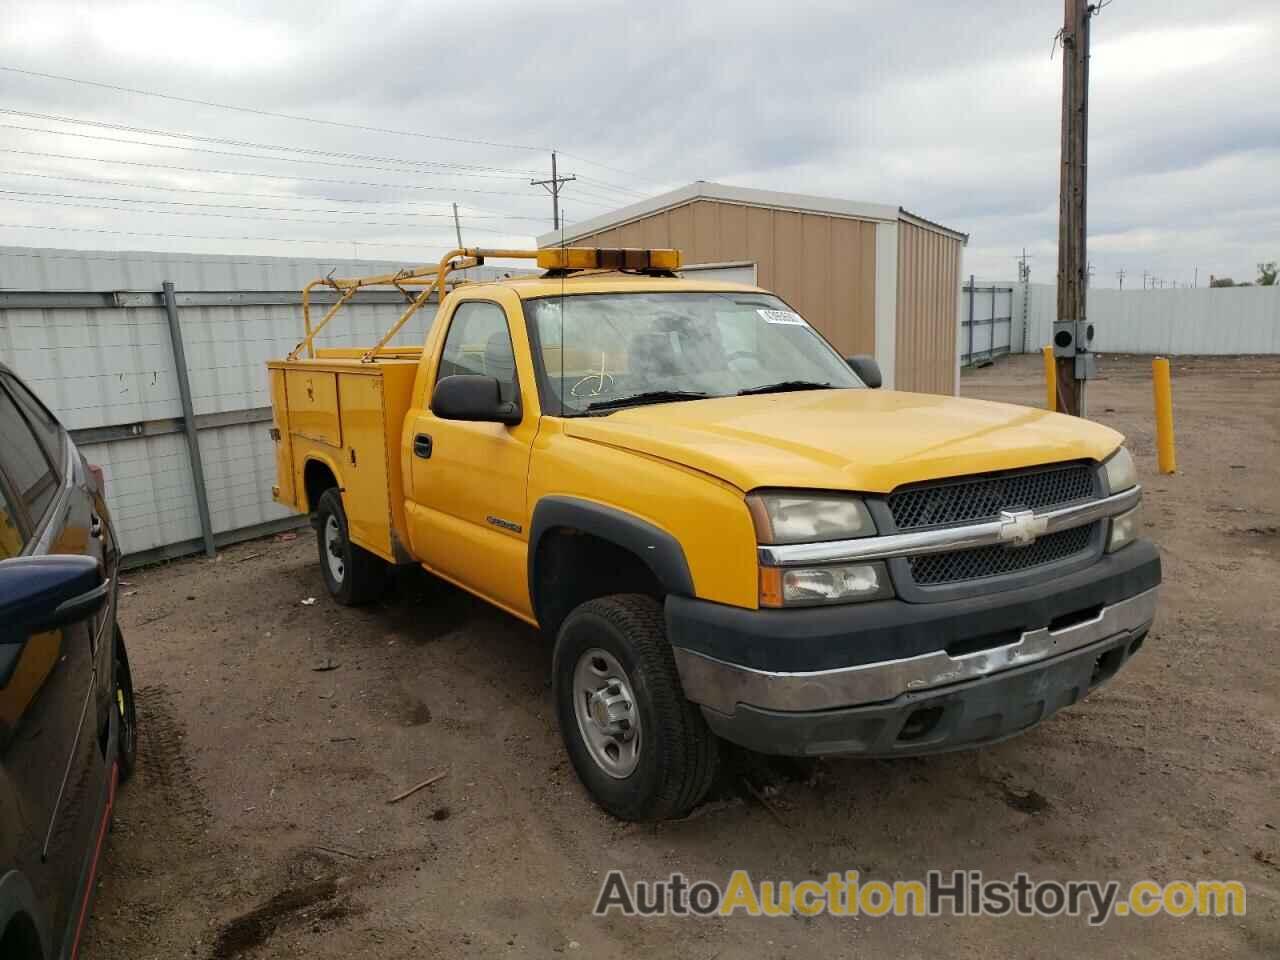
(353, 575)
(126, 711)
(670, 760)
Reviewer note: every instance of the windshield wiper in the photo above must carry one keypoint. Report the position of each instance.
(639, 399)
(785, 386)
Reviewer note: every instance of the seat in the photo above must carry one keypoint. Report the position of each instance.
(500, 362)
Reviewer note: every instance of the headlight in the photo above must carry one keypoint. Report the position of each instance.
(1124, 529)
(843, 583)
(1121, 472)
(801, 518)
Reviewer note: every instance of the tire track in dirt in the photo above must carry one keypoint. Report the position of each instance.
(163, 765)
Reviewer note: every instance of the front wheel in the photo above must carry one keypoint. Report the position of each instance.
(353, 575)
(641, 749)
(126, 711)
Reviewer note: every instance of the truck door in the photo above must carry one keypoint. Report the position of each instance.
(467, 512)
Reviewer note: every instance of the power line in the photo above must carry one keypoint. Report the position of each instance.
(272, 113)
(268, 176)
(190, 236)
(233, 153)
(606, 185)
(133, 184)
(232, 216)
(301, 118)
(605, 166)
(232, 206)
(495, 172)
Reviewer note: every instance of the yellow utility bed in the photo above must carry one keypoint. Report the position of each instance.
(347, 414)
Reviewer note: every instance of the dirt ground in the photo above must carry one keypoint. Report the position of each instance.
(274, 732)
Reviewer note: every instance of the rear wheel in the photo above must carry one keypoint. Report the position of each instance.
(353, 575)
(126, 711)
(641, 749)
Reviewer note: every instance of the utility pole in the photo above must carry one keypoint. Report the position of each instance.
(457, 227)
(553, 187)
(1073, 277)
(1120, 275)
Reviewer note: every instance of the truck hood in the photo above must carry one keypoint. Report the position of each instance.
(864, 440)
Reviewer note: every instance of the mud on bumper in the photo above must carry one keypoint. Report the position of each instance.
(826, 681)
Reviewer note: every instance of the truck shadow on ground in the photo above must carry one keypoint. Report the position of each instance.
(500, 649)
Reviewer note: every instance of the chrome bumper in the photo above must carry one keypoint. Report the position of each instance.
(722, 686)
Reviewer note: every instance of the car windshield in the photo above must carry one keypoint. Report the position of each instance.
(603, 352)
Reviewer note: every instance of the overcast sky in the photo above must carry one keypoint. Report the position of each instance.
(949, 109)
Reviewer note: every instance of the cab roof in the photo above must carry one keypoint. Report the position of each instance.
(607, 281)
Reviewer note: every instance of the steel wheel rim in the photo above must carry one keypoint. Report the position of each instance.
(604, 705)
(333, 549)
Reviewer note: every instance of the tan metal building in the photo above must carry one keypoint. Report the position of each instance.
(873, 278)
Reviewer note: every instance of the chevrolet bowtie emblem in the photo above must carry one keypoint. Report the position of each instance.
(1019, 528)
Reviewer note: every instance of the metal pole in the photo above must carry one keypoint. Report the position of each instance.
(972, 293)
(1050, 380)
(991, 345)
(456, 225)
(189, 419)
(1163, 389)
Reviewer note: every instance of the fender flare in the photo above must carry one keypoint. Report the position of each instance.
(16, 896)
(323, 460)
(654, 547)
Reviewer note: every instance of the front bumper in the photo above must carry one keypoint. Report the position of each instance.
(897, 679)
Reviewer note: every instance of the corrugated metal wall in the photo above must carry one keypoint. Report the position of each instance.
(824, 266)
(928, 305)
(113, 367)
(1205, 320)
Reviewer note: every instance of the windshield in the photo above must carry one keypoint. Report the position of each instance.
(599, 352)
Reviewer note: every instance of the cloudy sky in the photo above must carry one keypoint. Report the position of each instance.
(949, 109)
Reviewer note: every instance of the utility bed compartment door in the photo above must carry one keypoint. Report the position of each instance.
(366, 494)
(313, 405)
(281, 438)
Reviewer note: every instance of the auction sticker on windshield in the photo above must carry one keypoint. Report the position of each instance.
(782, 316)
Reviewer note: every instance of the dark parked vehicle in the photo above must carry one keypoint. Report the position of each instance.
(68, 729)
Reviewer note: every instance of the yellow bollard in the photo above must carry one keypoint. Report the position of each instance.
(1050, 380)
(1164, 415)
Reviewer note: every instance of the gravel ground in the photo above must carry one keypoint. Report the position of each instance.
(274, 732)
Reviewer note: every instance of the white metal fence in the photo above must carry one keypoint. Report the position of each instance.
(1217, 320)
(91, 335)
(986, 321)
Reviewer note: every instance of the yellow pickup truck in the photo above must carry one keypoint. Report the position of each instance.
(728, 529)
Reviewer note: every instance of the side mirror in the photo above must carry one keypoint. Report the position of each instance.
(44, 593)
(475, 398)
(867, 369)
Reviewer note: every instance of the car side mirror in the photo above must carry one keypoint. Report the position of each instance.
(867, 369)
(45, 593)
(475, 398)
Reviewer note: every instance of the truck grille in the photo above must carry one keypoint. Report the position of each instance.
(936, 568)
(976, 499)
(970, 499)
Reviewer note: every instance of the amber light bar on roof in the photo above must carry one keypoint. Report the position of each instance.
(432, 280)
(600, 258)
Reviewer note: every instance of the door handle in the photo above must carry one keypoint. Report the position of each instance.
(422, 446)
